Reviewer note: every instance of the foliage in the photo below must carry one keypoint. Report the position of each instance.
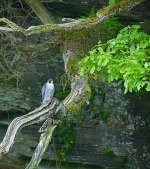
(107, 151)
(87, 37)
(109, 28)
(64, 137)
(105, 115)
(112, 2)
(124, 58)
(12, 58)
(91, 13)
(63, 91)
(78, 118)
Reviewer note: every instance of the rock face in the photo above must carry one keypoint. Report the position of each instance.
(43, 61)
(25, 95)
(125, 131)
(115, 134)
(119, 140)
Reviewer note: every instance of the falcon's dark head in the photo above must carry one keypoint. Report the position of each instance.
(50, 80)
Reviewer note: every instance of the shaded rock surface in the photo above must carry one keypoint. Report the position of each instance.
(124, 132)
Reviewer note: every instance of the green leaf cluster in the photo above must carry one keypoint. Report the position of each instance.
(64, 138)
(111, 2)
(107, 151)
(125, 58)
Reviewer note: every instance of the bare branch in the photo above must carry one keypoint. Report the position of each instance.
(37, 115)
(41, 148)
(6, 29)
(12, 25)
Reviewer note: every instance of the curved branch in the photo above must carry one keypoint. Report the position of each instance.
(36, 116)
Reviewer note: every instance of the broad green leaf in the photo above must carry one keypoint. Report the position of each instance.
(99, 61)
(86, 59)
(148, 87)
(92, 69)
(146, 65)
(105, 62)
(139, 86)
(82, 71)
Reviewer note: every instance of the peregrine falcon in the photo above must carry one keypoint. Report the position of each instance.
(48, 90)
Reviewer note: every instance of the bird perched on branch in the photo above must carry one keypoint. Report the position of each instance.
(48, 90)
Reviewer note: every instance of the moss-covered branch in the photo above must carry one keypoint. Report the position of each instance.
(117, 8)
(102, 14)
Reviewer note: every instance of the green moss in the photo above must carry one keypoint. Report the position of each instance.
(78, 102)
(43, 29)
(107, 151)
(105, 115)
(114, 8)
(81, 38)
(80, 43)
(85, 39)
(64, 137)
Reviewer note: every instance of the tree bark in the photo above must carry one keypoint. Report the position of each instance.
(40, 11)
(41, 148)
